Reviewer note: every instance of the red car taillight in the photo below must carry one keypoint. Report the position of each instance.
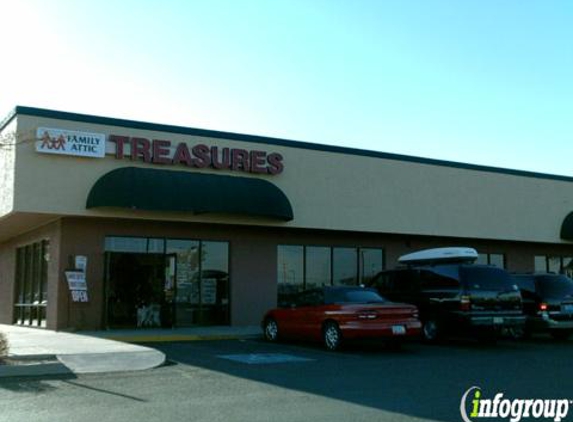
(543, 307)
(465, 304)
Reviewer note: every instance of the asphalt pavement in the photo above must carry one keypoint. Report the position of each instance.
(252, 380)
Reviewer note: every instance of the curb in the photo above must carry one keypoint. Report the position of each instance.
(180, 338)
(90, 363)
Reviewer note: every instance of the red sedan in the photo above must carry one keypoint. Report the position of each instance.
(334, 314)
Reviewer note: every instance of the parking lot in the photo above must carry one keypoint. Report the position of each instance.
(251, 380)
(418, 381)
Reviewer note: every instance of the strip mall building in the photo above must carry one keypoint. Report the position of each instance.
(113, 223)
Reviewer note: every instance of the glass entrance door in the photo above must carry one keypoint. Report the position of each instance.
(200, 274)
(152, 282)
(136, 291)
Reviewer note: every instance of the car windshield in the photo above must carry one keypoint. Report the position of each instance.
(554, 287)
(486, 278)
(354, 296)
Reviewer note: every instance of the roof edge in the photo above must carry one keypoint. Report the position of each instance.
(136, 124)
(8, 118)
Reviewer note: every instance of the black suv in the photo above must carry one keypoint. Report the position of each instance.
(547, 303)
(457, 298)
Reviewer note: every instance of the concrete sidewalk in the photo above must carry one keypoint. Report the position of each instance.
(38, 352)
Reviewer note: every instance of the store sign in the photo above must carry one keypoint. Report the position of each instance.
(77, 285)
(198, 156)
(67, 142)
(81, 262)
(156, 151)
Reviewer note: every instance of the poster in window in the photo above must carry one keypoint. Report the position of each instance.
(209, 291)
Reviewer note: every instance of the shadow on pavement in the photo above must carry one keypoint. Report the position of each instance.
(100, 390)
(418, 381)
(39, 384)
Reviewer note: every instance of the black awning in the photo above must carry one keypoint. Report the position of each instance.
(567, 227)
(165, 190)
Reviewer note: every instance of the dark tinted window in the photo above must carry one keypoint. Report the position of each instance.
(310, 298)
(554, 287)
(448, 271)
(406, 281)
(370, 262)
(353, 296)
(383, 281)
(318, 264)
(525, 282)
(486, 278)
(433, 279)
(290, 273)
(344, 266)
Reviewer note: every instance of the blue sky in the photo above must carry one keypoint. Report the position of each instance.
(486, 82)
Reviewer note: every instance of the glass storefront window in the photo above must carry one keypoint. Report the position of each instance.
(156, 246)
(27, 282)
(214, 289)
(554, 264)
(36, 272)
(186, 265)
(371, 262)
(540, 264)
(126, 244)
(567, 266)
(482, 259)
(290, 265)
(497, 260)
(290, 272)
(344, 266)
(302, 267)
(31, 284)
(317, 266)
(190, 277)
(186, 271)
(215, 257)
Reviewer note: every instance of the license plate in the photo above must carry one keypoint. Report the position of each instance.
(567, 309)
(398, 330)
(497, 320)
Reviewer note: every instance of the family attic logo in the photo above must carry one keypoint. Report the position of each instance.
(53, 143)
(514, 409)
(70, 142)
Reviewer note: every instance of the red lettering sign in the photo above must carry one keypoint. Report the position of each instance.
(159, 151)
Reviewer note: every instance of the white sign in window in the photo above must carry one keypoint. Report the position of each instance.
(76, 280)
(77, 285)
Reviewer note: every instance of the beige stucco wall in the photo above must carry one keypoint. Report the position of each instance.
(8, 140)
(327, 190)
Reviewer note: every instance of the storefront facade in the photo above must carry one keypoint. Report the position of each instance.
(169, 226)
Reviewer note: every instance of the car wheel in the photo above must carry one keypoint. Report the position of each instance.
(331, 336)
(560, 335)
(271, 330)
(430, 331)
